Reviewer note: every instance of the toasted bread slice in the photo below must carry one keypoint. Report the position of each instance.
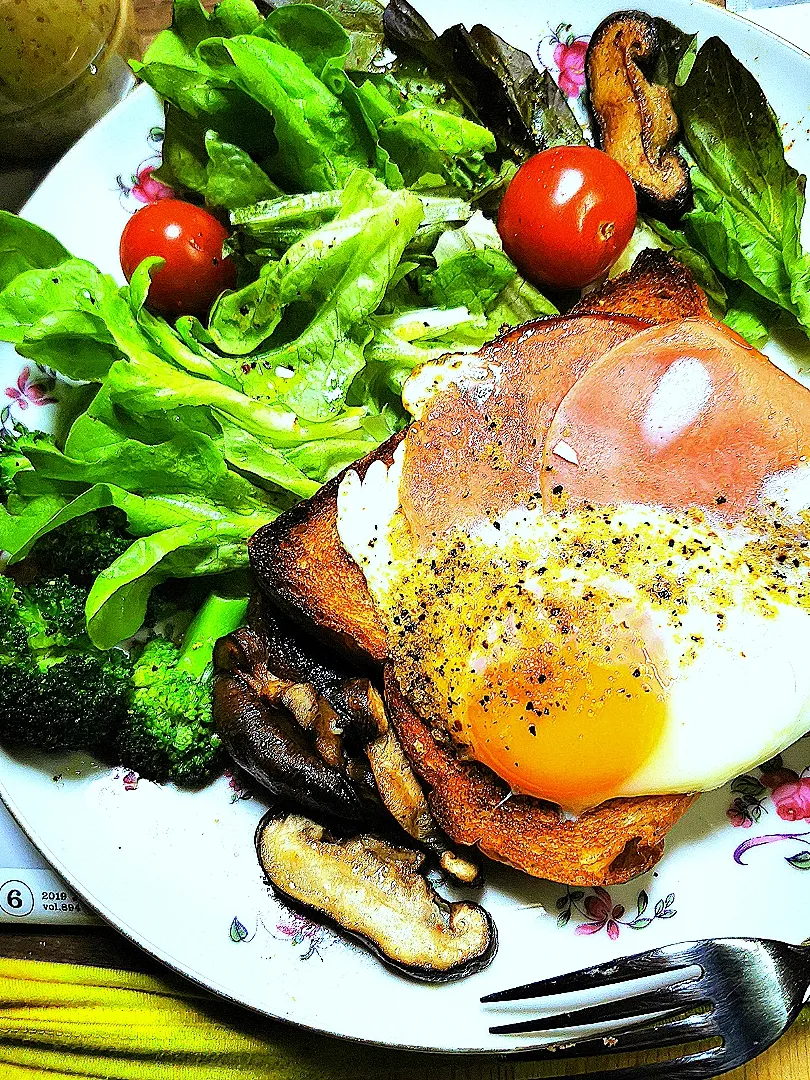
(302, 567)
(604, 846)
(657, 288)
(298, 559)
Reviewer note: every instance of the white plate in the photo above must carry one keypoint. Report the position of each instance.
(177, 873)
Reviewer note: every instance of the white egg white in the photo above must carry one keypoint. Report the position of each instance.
(735, 647)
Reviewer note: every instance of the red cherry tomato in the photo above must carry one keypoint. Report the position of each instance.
(190, 240)
(567, 215)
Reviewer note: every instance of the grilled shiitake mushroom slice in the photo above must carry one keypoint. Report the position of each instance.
(318, 737)
(376, 892)
(319, 740)
(634, 120)
(286, 736)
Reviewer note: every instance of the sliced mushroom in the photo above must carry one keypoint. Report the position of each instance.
(404, 798)
(635, 121)
(267, 678)
(376, 892)
(316, 715)
(263, 721)
(286, 654)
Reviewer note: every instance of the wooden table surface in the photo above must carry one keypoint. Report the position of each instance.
(788, 1060)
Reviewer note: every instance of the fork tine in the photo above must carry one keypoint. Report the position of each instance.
(701, 1066)
(654, 962)
(656, 1001)
(674, 1033)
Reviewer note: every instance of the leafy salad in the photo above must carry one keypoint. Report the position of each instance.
(359, 160)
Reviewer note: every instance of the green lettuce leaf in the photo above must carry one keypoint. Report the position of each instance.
(318, 145)
(331, 282)
(749, 201)
(430, 142)
(472, 272)
(472, 279)
(694, 260)
(174, 69)
(24, 246)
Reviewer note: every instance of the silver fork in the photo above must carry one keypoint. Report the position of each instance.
(749, 991)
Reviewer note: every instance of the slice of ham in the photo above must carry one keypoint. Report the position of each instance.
(681, 415)
(477, 449)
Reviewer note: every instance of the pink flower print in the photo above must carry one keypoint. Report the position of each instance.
(147, 189)
(792, 799)
(602, 913)
(569, 56)
(29, 391)
(739, 816)
(237, 788)
(298, 929)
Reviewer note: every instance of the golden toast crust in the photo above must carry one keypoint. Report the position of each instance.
(302, 567)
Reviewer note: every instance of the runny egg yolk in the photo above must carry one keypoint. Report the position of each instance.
(565, 726)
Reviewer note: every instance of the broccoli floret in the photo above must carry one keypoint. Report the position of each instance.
(76, 704)
(168, 733)
(43, 620)
(52, 613)
(82, 548)
(57, 692)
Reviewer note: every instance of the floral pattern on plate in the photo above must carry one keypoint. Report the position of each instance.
(302, 933)
(33, 387)
(562, 51)
(786, 790)
(142, 188)
(569, 59)
(776, 788)
(800, 860)
(237, 785)
(299, 930)
(599, 911)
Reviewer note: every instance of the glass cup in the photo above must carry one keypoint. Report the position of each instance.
(63, 64)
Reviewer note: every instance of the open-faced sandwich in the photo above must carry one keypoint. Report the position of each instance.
(579, 579)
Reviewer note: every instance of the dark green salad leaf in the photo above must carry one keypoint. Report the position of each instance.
(362, 21)
(694, 260)
(748, 201)
(676, 55)
(197, 159)
(499, 84)
(749, 314)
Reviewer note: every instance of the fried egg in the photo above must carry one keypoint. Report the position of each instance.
(628, 611)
